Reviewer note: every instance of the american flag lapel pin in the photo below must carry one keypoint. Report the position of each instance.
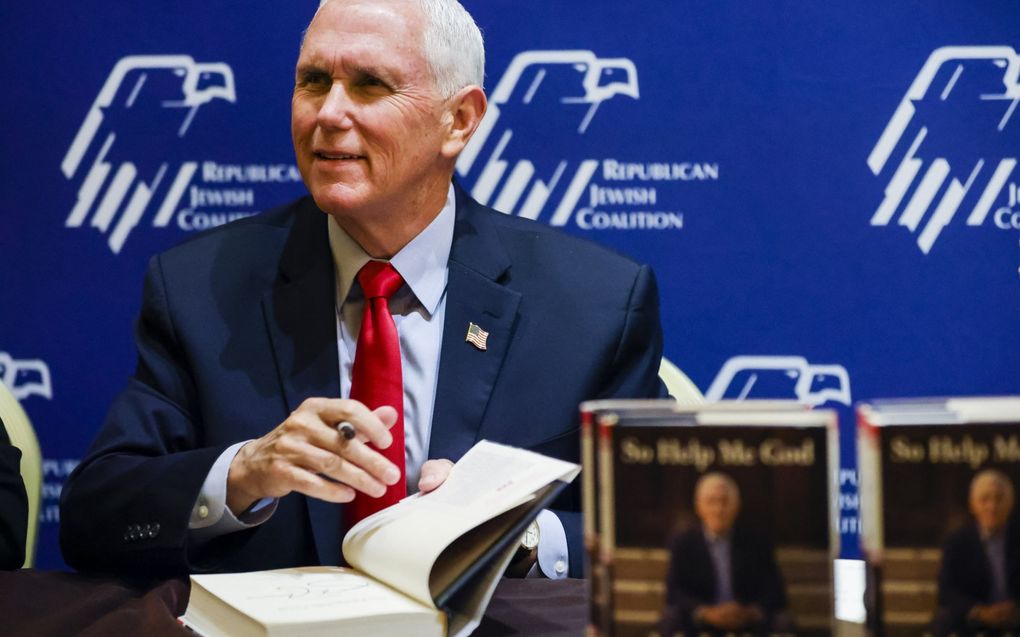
(477, 336)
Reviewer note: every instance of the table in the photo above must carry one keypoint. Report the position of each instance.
(43, 603)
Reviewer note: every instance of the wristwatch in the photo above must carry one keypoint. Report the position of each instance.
(529, 541)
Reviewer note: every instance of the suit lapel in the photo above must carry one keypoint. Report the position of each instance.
(474, 294)
(301, 321)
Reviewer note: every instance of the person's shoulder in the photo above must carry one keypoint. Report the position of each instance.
(964, 536)
(687, 537)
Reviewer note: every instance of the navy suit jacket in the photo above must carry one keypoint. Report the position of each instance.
(238, 327)
(691, 579)
(965, 575)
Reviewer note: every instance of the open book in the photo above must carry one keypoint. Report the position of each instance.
(426, 566)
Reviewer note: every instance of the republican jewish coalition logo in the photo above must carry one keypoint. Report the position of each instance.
(780, 377)
(25, 377)
(952, 144)
(532, 155)
(132, 154)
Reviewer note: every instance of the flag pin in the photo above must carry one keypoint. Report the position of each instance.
(477, 336)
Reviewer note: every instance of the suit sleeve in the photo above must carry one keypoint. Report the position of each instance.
(955, 598)
(126, 507)
(13, 505)
(633, 373)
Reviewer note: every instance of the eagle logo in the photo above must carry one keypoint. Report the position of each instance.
(780, 377)
(25, 377)
(513, 161)
(118, 179)
(954, 138)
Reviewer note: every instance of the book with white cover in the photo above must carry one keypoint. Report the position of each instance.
(426, 566)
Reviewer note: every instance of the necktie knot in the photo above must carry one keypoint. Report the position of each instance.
(379, 279)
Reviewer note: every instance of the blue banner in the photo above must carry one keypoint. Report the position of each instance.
(827, 193)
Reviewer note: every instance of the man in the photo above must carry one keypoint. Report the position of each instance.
(223, 454)
(13, 504)
(979, 579)
(722, 577)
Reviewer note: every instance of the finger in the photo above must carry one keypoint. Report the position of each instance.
(367, 423)
(315, 486)
(358, 454)
(347, 461)
(433, 474)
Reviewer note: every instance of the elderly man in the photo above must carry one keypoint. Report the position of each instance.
(979, 580)
(722, 577)
(420, 318)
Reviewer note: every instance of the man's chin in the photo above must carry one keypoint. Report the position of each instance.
(339, 201)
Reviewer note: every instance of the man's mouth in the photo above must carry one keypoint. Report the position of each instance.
(336, 156)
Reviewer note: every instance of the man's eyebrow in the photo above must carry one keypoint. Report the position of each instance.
(374, 71)
(305, 68)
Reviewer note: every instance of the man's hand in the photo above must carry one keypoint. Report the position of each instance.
(726, 616)
(996, 615)
(306, 454)
(433, 474)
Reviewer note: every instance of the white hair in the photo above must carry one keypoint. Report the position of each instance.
(452, 45)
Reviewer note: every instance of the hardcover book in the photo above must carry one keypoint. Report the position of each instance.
(402, 580)
(716, 518)
(937, 480)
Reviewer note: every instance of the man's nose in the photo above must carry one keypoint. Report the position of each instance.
(335, 111)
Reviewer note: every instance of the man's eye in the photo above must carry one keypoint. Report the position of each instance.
(371, 81)
(315, 78)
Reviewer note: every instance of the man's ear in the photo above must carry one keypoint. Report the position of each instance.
(466, 110)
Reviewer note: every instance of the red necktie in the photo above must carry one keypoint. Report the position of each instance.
(376, 379)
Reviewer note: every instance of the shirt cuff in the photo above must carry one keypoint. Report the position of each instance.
(552, 547)
(210, 517)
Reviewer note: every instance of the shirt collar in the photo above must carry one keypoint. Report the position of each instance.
(422, 262)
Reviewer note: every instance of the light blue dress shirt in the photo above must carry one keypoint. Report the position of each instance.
(418, 310)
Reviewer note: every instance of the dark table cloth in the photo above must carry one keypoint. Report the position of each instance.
(43, 603)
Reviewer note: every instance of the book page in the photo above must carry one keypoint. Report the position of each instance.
(306, 595)
(400, 544)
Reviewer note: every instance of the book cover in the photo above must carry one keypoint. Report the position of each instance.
(939, 528)
(715, 519)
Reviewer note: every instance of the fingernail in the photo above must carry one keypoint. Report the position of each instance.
(386, 442)
(391, 476)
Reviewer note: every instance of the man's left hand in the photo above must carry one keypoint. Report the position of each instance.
(433, 474)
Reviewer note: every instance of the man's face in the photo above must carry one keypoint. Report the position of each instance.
(366, 121)
(990, 503)
(717, 505)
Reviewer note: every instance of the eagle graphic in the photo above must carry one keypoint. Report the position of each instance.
(123, 152)
(954, 138)
(514, 161)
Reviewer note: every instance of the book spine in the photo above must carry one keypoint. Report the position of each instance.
(589, 511)
(607, 523)
(869, 480)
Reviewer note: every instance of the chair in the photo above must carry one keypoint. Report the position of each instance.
(22, 435)
(679, 385)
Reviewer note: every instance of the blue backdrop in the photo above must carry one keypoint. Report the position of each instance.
(827, 193)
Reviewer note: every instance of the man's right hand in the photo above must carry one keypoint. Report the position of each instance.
(996, 615)
(726, 616)
(306, 454)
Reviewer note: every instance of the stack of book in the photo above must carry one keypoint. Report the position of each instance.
(713, 517)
